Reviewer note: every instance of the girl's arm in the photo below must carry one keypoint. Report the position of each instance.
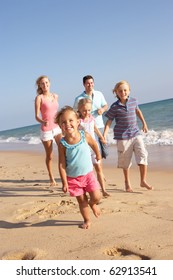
(94, 146)
(141, 117)
(107, 126)
(102, 109)
(97, 131)
(62, 167)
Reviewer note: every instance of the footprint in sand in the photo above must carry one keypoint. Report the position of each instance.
(122, 253)
(42, 209)
(109, 211)
(28, 254)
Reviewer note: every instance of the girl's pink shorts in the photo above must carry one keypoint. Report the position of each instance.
(82, 184)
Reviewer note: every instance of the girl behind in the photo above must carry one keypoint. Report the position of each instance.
(87, 123)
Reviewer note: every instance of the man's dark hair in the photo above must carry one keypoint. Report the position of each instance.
(87, 77)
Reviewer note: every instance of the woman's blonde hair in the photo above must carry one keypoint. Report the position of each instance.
(119, 84)
(37, 83)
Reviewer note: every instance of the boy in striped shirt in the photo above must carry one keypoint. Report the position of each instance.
(127, 133)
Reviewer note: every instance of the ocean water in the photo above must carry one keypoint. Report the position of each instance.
(158, 115)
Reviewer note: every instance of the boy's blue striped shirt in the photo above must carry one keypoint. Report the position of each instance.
(126, 126)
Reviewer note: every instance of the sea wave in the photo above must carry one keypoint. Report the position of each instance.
(164, 137)
(33, 140)
(153, 137)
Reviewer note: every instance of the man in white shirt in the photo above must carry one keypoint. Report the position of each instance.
(99, 104)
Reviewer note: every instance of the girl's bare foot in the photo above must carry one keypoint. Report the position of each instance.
(129, 190)
(128, 187)
(145, 185)
(105, 193)
(85, 225)
(95, 209)
(53, 183)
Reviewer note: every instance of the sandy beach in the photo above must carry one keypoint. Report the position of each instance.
(42, 225)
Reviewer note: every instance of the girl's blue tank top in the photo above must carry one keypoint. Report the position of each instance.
(78, 157)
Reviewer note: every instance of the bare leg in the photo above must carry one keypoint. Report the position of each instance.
(101, 179)
(143, 174)
(48, 145)
(94, 200)
(127, 180)
(84, 209)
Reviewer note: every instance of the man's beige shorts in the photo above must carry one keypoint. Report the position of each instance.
(125, 152)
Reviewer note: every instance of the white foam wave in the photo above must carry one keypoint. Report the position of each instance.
(164, 137)
(33, 140)
(153, 137)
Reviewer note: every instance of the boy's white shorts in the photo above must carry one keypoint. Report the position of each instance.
(125, 152)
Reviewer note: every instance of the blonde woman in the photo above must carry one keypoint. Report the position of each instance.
(46, 107)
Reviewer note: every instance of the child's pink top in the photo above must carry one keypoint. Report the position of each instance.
(49, 108)
(88, 125)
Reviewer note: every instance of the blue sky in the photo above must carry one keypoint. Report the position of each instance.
(67, 39)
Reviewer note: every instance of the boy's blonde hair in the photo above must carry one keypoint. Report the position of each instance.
(119, 84)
